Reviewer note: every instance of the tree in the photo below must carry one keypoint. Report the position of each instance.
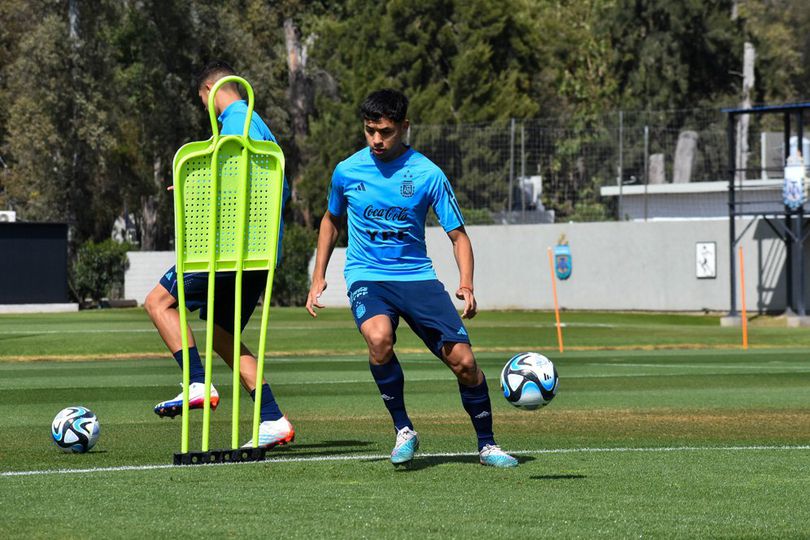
(674, 55)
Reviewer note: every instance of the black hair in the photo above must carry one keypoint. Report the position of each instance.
(214, 70)
(388, 103)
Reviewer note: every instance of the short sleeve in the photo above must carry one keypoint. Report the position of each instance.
(337, 202)
(444, 203)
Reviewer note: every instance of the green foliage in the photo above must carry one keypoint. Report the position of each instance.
(94, 106)
(291, 279)
(98, 271)
(472, 216)
(674, 55)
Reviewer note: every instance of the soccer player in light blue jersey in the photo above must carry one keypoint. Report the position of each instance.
(386, 190)
(161, 303)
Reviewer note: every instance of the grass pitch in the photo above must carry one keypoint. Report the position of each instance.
(662, 427)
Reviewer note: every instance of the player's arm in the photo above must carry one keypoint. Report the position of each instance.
(463, 252)
(327, 237)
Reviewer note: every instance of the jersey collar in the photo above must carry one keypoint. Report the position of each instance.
(231, 109)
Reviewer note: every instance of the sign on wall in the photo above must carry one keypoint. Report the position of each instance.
(706, 260)
(562, 259)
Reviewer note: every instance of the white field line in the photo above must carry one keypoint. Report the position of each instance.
(370, 457)
(768, 366)
(776, 371)
(276, 328)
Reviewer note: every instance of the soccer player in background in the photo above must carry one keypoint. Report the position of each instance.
(387, 189)
(161, 303)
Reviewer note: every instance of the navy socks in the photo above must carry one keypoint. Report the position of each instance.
(269, 409)
(476, 402)
(196, 370)
(391, 383)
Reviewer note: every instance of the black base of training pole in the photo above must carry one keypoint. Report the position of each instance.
(220, 456)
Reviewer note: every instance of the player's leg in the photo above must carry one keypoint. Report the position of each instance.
(430, 312)
(161, 306)
(376, 320)
(274, 429)
(472, 385)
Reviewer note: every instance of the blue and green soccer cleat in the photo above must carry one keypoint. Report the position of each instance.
(491, 455)
(407, 444)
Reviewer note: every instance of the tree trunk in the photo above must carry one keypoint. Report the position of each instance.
(301, 98)
(150, 210)
(743, 120)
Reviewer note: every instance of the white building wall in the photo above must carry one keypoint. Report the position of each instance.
(616, 266)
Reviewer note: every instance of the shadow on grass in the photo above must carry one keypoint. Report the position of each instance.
(558, 477)
(327, 448)
(420, 463)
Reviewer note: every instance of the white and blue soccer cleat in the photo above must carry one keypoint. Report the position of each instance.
(407, 444)
(196, 399)
(492, 456)
(274, 433)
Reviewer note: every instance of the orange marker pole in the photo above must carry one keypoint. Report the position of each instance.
(556, 305)
(742, 297)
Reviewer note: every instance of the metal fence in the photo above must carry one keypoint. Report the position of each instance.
(544, 170)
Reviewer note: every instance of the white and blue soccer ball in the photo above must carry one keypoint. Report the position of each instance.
(75, 429)
(529, 381)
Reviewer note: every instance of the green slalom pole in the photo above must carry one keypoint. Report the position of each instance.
(268, 293)
(212, 273)
(209, 308)
(181, 298)
(237, 303)
(257, 405)
(241, 231)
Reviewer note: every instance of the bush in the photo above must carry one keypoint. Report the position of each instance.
(98, 270)
(291, 280)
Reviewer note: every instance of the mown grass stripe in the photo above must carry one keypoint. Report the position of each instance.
(372, 457)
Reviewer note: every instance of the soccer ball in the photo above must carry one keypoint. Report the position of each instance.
(75, 429)
(529, 381)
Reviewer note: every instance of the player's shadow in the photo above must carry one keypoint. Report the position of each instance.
(558, 477)
(323, 448)
(420, 463)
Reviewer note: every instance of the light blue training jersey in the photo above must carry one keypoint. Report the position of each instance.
(233, 123)
(387, 203)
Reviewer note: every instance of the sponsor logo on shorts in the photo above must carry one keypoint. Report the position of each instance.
(462, 331)
(359, 293)
(360, 310)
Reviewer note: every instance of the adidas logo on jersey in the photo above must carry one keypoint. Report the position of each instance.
(361, 187)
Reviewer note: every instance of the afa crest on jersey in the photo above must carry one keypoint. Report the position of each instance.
(406, 188)
(562, 259)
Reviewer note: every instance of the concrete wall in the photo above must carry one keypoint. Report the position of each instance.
(145, 270)
(616, 266)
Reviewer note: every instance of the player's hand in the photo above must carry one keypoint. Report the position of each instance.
(170, 188)
(470, 305)
(315, 291)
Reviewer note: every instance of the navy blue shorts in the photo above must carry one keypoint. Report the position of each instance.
(196, 288)
(425, 306)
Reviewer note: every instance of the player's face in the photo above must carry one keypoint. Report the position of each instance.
(385, 137)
